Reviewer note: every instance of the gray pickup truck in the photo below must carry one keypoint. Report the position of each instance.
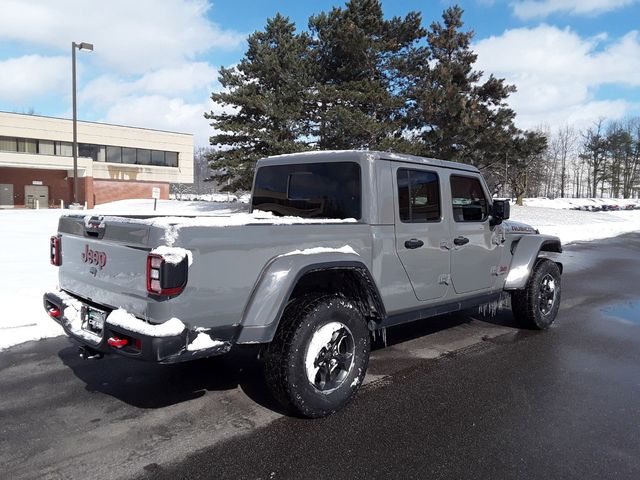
(336, 247)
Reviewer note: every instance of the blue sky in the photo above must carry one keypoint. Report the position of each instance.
(155, 61)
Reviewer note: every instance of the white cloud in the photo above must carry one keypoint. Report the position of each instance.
(557, 72)
(151, 64)
(182, 79)
(528, 9)
(33, 76)
(131, 37)
(164, 113)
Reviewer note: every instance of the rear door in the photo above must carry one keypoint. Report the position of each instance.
(476, 246)
(422, 230)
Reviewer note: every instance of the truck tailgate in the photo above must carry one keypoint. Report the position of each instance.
(107, 267)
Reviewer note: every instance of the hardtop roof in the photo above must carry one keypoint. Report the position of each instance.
(336, 155)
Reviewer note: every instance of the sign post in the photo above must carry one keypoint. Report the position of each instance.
(155, 194)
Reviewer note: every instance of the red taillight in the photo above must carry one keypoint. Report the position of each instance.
(54, 312)
(117, 342)
(165, 278)
(54, 251)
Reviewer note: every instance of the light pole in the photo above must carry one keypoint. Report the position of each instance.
(79, 46)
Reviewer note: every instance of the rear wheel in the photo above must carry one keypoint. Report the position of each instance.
(537, 305)
(319, 356)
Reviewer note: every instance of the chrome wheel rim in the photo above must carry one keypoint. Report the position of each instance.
(329, 357)
(547, 294)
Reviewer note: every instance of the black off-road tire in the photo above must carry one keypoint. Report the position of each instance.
(529, 306)
(284, 359)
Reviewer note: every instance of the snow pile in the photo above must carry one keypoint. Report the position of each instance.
(173, 255)
(165, 207)
(203, 341)
(573, 225)
(213, 197)
(316, 250)
(73, 318)
(572, 203)
(122, 318)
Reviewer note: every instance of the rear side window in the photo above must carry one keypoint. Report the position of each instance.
(468, 199)
(418, 196)
(311, 190)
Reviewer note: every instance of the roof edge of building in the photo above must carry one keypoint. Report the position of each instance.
(96, 123)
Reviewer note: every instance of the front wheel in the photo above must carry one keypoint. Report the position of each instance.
(537, 305)
(319, 356)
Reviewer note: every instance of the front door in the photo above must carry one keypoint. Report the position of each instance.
(6, 195)
(36, 196)
(422, 230)
(476, 246)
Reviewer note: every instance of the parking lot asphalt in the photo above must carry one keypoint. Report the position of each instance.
(462, 396)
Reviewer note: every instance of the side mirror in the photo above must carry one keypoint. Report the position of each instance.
(501, 211)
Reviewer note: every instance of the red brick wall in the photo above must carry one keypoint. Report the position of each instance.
(111, 190)
(59, 187)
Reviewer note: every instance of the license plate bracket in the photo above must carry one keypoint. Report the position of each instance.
(93, 320)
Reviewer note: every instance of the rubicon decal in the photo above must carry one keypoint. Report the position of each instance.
(94, 257)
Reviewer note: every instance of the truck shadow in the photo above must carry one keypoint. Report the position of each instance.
(151, 386)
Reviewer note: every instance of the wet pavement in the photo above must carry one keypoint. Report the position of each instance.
(461, 396)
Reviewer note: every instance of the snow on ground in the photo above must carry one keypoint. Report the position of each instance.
(26, 272)
(573, 225)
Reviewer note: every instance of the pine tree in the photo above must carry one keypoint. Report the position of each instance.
(452, 113)
(358, 56)
(265, 103)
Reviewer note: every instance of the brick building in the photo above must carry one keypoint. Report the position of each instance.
(114, 162)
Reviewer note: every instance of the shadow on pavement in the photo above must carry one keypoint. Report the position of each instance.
(152, 386)
(148, 385)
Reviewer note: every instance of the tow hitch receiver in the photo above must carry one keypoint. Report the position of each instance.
(88, 353)
(117, 342)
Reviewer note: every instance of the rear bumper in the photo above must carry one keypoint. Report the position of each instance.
(66, 311)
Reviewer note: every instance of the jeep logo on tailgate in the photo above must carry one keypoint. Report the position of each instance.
(94, 257)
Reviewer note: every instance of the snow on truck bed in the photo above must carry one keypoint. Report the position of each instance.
(27, 273)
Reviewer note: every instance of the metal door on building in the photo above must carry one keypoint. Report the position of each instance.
(6, 195)
(36, 196)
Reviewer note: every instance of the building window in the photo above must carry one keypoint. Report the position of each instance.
(128, 155)
(27, 145)
(95, 152)
(114, 154)
(64, 149)
(8, 144)
(418, 196)
(98, 153)
(144, 157)
(171, 158)
(157, 157)
(45, 147)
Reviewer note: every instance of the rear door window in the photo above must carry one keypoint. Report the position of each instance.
(312, 190)
(418, 196)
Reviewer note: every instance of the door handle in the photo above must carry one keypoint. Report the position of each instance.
(459, 241)
(413, 243)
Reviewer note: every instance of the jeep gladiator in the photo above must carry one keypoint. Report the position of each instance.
(336, 246)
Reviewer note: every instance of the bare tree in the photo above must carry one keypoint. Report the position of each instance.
(594, 150)
(564, 144)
